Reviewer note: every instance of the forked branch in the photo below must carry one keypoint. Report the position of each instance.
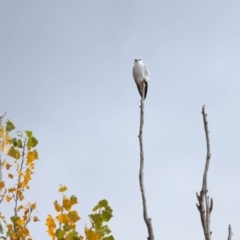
(141, 172)
(203, 198)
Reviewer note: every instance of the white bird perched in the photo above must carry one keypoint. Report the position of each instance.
(141, 75)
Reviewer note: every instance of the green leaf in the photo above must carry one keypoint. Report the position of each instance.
(14, 153)
(19, 143)
(14, 141)
(60, 233)
(66, 227)
(9, 126)
(76, 238)
(97, 219)
(102, 203)
(29, 133)
(29, 144)
(9, 233)
(34, 142)
(103, 230)
(1, 228)
(108, 238)
(106, 215)
(13, 219)
(73, 234)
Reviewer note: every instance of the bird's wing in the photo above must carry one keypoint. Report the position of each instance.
(146, 73)
(135, 74)
(146, 88)
(140, 90)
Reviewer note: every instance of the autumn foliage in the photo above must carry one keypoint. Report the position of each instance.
(18, 155)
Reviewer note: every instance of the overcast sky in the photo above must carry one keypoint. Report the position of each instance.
(66, 74)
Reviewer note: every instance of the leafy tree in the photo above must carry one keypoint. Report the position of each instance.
(20, 154)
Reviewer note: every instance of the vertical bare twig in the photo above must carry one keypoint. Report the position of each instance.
(230, 233)
(141, 182)
(203, 199)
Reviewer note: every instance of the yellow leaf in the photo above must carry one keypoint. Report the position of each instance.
(1, 131)
(8, 166)
(10, 175)
(27, 177)
(63, 218)
(8, 139)
(4, 148)
(3, 163)
(33, 205)
(91, 235)
(21, 197)
(35, 219)
(26, 211)
(11, 190)
(62, 189)
(8, 199)
(20, 207)
(51, 233)
(31, 156)
(25, 231)
(57, 206)
(20, 221)
(2, 184)
(9, 226)
(72, 226)
(67, 203)
(50, 222)
(73, 216)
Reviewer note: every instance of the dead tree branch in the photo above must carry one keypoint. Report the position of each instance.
(230, 233)
(203, 199)
(141, 182)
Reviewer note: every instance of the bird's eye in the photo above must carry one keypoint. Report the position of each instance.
(135, 60)
(139, 59)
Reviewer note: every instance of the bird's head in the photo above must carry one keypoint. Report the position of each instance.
(138, 61)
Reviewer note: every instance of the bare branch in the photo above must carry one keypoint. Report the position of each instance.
(230, 233)
(1, 118)
(141, 182)
(203, 199)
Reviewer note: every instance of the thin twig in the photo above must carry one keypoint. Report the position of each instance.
(1, 118)
(3, 195)
(141, 182)
(230, 233)
(205, 215)
(28, 217)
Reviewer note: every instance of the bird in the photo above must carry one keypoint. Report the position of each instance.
(141, 76)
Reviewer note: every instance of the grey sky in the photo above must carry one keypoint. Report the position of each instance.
(66, 74)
